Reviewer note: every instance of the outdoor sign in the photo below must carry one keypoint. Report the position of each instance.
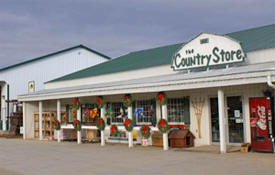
(208, 50)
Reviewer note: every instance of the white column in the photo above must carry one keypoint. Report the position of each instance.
(24, 120)
(40, 120)
(165, 135)
(59, 119)
(130, 134)
(79, 132)
(102, 115)
(4, 114)
(222, 121)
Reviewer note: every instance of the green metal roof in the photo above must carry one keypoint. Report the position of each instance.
(251, 39)
(55, 53)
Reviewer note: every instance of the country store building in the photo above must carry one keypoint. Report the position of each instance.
(208, 83)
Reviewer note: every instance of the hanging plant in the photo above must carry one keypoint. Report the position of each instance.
(77, 125)
(100, 102)
(145, 131)
(127, 101)
(128, 124)
(100, 124)
(57, 125)
(114, 131)
(162, 125)
(161, 98)
(76, 103)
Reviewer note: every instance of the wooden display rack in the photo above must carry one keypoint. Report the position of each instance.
(48, 120)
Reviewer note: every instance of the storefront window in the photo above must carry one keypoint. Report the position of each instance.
(118, 113)
(69, 118)
(178, 110)
(89, 112)
(144, 112)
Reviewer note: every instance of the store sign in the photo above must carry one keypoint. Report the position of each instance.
(208, 50)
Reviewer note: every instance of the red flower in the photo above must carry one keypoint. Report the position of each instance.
(161, 122)
(75, 101)
(113, 128)
(100, 121)
(127, 122)
(144, 129)
(99, 100)
(160, 96)
(56, 122)
(127, 97)
(76, 122)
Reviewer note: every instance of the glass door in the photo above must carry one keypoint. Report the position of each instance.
(235, 119)
(215, 120)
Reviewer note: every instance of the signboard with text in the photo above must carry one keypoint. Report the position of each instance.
(208, 50)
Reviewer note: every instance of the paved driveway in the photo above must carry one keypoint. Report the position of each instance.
(19, 157)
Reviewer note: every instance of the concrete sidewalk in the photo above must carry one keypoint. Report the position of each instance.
(30, 157)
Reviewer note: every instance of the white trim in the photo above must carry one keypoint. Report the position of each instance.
(195, 83)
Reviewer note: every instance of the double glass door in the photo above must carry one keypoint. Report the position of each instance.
(234, 116)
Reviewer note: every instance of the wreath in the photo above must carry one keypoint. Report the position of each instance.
(127, 101)
(57, 125)
(76, 103)
(77, 125)
(163, 125)
(114, 131)
(99, 102)
(128, 124)
(161, 98)
(145, 131)
(100, 124)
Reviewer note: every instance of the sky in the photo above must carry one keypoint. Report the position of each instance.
(33, 28)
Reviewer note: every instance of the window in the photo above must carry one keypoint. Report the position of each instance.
(118, 113)
(144, 112)
(89, 112)
(69, 118)
(178, 110)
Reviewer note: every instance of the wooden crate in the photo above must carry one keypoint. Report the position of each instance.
(157, 139)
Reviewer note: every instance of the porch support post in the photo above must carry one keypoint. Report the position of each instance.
(59, 119)
(40, 120)
(130, 134)
(222, 121)
(102, 115)
(24, 120)
(165, 135)
(79, 132)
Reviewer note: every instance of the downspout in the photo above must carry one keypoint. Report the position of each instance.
(8, 108)
(270, 84)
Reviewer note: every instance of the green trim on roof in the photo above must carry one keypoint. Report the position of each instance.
(132, 61)
(256, 38)
(55, 53)
(251, 39)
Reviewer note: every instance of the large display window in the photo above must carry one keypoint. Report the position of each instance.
(178, 110)
(144, 112)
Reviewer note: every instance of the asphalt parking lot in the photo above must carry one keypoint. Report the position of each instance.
(19, 157)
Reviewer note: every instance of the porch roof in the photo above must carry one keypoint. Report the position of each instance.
(248, 74)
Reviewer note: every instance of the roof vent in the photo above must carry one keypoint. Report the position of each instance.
(204, 40)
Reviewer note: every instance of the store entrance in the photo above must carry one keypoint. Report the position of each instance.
(235, 119)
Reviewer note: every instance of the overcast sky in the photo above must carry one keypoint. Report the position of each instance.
(32, 28)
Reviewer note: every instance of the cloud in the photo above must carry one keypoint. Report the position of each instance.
(30, 28)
